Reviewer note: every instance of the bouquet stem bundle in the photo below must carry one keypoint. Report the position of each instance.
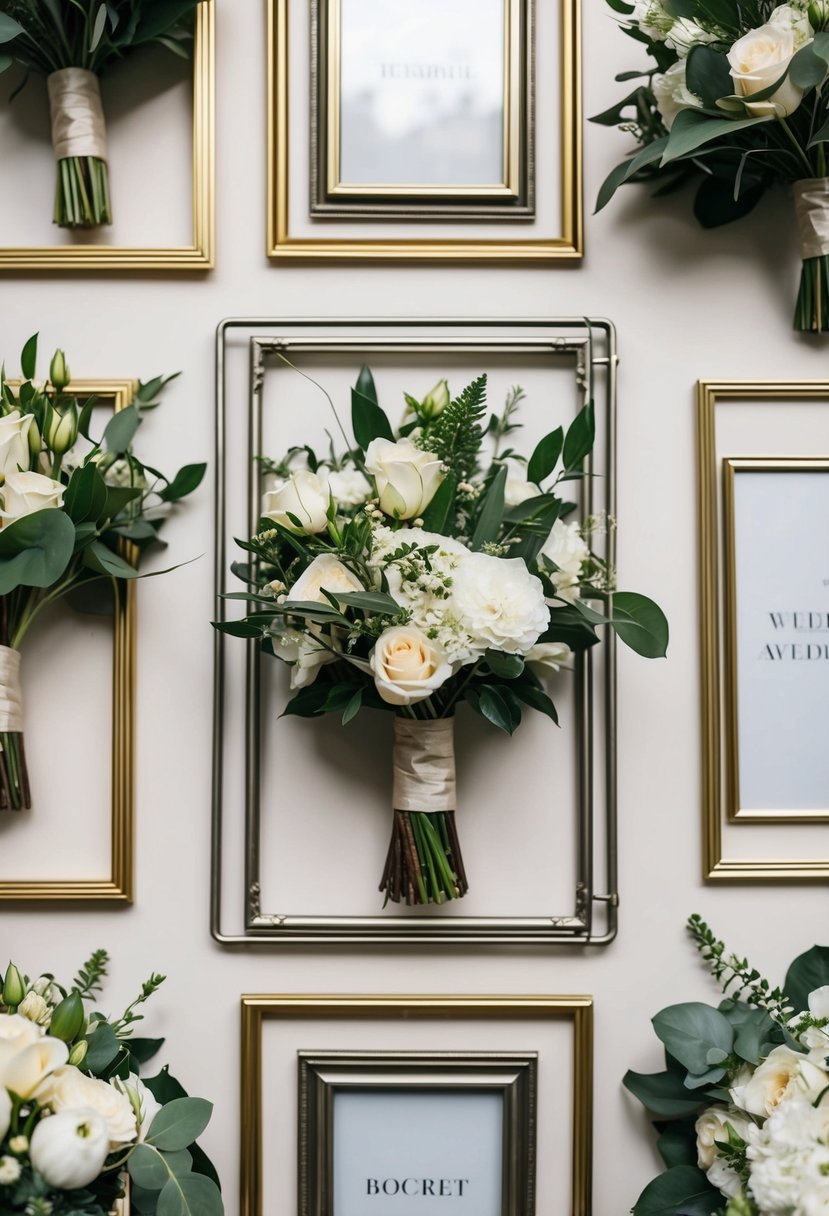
(812, 308)
(82, 193)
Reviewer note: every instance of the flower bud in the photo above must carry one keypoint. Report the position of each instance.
(34, 437)
(818, 14)
(78, 1053)
(61, 429)
(435, 400)
(58, 371)
(14, 989)
(67, 1018)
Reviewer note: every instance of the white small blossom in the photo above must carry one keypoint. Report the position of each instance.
(10, 1171)
(685, 34)
(652, 18)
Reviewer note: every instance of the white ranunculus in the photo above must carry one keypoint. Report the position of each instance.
(685, 34)
(567, 549)
(652, 18)
(5, 1113)
(69, 1149)
(14, 443)
(757, 61)
(302, 495)
(407, 666)
(672, 93)
(29, 1068)
(792, 18)
(25, 493)
(69, 1088)
(782, 1076)
(35, 1008)
(500, 603)
(325, 572)
(548, 656)
(406, 477)
(711, 1127)
(348, 486)
(518, 490)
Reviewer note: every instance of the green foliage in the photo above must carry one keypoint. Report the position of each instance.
(456, 434)
(35, 550)
(682, 1191)
(88, 980)
(807, 972)
(368, 421)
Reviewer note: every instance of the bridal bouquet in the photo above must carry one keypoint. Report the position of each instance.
(735, 101)
(76, 513)
(71, 42)
(75, 1116)
(742, 1108)
(416, 571)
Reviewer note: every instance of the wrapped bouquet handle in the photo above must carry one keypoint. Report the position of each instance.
(80, 146)
(14, 778)
(424, 862)
(811, 202)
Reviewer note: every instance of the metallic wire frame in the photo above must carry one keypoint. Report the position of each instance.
(567, 246)
(256, 1009)
(197, 256)
(120, 886)
(576, 929)
(323, 1074)
(717, 734)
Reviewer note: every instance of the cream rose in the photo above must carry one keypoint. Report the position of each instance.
(25, 493)
(711, 1127)
(407, 478)
(302, 495)
(14, 443)
(5, 1113)
(672, 93)
(566, 548)
(348, 487)
(28, 1069)
(757, 61)
(69, 1149)
(500, 603)
(783, 1075)
(69, 1088)
(325, 572)
(407, 666)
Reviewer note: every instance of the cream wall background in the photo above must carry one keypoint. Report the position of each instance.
(688, 305)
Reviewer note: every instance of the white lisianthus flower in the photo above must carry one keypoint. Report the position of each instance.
(567, 549)
(35, 1008)
(302, 495)
(757, 61)
(144, 1103)
(711, 1127)
(518, 490)
(501, 604)
(304, 652)
(5, 1113)
(407, 478)
(782, 1076)
(348, 487)
(25, 493)
(789, 1159)
(685, 34)
(672, 93)
(27, 1070)
(548, 656)
(10, 1171)
(46, 987)
(407, 666)
(325, 572)
(68, 1088)
(14, 443)
(652, 18)
(69, 1149)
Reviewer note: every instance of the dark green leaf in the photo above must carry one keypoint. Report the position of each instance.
(690, 1030)
(809, 66)
(541, 512)
(505, 666)
(536, 698)
(160, 17)
(365, 385)
(102, 560)
(85, 415)
(375, 603)
(708, 75)
(754, 1029)
(715, 204)
(240, 629)
(98, 27)
(491, 512)
(368, 421)
(179, 1123)
(86, 495)
(622, 173)
(143, 1050)
(807, 972)
(581, 435)
(121, 428)
(353, 707)
(640, 623)
(119, 497)
(185, 482)
(440, 510)
(663, 1093)
(103, 1049)
(545, 457)
(568, 625)
(35, 550)
(677, 1142)
(28, 357)
(491, 703)
(682, 1191)
(192, 1195)
(693, 130)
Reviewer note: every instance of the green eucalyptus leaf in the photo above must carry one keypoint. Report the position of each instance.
(641, 624)
(689, 1032)
(179, 1123)
(682, 1191)
(147, 1169)
(35, 550)
(121, 428)
(192, 1195)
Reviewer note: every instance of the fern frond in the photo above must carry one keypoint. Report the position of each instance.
(456, 434)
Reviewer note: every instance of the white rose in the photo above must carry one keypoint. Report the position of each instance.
(500, 603)
(5, 1113)
(567, 549)
(407, 666)
(652, 18)
(518, 490)
(548, 656)
(325, 572)
(686, 34)
(406, 477)
(783, 1075)
(757, 61)
(348, 486)
(16, 1033)
(10, 1171)
(69, 1088)
(302, 495)
(25, 493)
(672, 93)
(35, 1008)
(27, 1070)
(793, 20)
(69, 1149)
(711, 1127)
(14, 443)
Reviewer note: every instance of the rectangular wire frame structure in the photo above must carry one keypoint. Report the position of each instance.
(589, 346)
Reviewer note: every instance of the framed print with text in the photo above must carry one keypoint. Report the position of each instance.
(429, 131)
(764, 470)
(422, 110)
(364, 1105)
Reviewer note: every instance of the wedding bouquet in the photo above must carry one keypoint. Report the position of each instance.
(71, 42)
(742, 1108)
(416, 571)
(75, 1116)
(76, 513)
(736, 102)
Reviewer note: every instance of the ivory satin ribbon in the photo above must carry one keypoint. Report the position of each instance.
(811, 202)
(78, 127)
(424, 765)
(11, 698)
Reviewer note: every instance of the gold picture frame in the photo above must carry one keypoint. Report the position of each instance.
(566, 246)
(120, 886)
(199, 254)
(256, 1009)
(720, 744)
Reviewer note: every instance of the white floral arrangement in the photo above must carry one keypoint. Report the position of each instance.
(742, 1108)
(416, 571)
(735, 102)
(75, 1116)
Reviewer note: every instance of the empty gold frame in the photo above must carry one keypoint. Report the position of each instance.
(119, 886)
(564, 245)
(199, 254)
(718, 626)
